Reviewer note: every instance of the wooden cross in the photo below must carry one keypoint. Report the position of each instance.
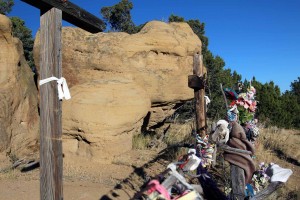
(51, 159)
(71, 13)
(197, 82)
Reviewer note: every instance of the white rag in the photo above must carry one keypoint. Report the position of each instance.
(207, 100)
(62, 87)
(278, 173)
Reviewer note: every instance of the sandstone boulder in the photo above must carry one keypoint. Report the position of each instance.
(116, 77)
(103, 113)
(158, 58)
(19, 119)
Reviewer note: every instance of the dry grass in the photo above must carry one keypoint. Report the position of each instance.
(281, 147)
(273, 145)
(141, 141)
(9, 174)
(177, 133)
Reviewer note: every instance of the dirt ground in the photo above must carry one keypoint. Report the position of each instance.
(120, 180)
(124, 177)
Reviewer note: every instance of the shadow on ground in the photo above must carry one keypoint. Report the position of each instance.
(130, 187)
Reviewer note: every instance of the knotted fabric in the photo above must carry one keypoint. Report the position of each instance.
(238, 140)
(62, 87)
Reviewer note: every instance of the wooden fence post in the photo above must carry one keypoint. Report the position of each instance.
(51, 160)
(237, 182)
(51, 14)
(197, 82)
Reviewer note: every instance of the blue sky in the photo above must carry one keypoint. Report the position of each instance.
(258, 38)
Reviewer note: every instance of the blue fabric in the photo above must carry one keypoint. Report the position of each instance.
(230, 94)
(249, 190)
(231, 116)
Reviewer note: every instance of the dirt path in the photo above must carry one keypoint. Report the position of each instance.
(120, 180)
(29, 189)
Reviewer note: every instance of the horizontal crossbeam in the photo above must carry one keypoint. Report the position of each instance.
(72, 14)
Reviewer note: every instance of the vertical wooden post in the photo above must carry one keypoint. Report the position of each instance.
(224, 96)
(237, 182)
(51, 167)
(199, 96)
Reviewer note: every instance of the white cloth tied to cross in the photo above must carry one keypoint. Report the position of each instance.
(207, 100)
(62, 87)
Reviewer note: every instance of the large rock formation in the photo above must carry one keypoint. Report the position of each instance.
(115, 78)
(19, 119)
(120, 83)
(102, 115)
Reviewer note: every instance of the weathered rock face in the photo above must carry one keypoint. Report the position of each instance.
(115, 78)
(103, 113)
(19, 119)
(158, 58)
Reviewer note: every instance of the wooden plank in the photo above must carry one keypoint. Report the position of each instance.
(224, 96)
(237, 182)
(50, 106)
(199, 97)
(72, 14)
(272, 187)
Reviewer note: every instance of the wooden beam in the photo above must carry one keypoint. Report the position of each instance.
(72, 14)
(237, 182)
(199, 97)
(51, 166)
(224, 96)
(264, 194)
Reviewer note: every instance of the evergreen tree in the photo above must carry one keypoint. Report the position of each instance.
(119, 17)
(290, 105)
(24, 34)
(289, 111)
(295, 89)
(273, 108)
(175, 18)
(5, 6)
(215, 70)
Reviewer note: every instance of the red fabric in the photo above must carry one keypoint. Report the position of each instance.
(154, 185)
